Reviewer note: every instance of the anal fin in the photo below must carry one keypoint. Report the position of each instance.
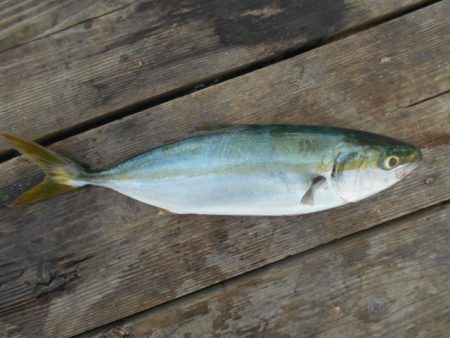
(164, 212)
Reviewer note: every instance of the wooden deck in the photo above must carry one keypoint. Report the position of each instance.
(101, 81)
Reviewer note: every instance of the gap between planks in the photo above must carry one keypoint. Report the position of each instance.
(208, 82)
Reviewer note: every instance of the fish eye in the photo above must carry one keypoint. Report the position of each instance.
(391, 162)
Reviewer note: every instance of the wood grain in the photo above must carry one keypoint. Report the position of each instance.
(390, 282)
(148, 49)
(24, 21)
(93, 256)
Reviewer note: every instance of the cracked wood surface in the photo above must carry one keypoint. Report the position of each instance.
(22, 22)
(392, 281)
(90, 257)
(81, 71)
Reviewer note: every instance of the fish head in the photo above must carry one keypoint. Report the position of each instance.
(371, 163)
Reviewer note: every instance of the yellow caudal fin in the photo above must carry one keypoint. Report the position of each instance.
(46, 189)
(63, 175)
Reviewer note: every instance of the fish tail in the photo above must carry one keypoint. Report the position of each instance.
(62, 175)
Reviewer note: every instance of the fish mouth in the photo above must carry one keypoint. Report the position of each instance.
(404, 171)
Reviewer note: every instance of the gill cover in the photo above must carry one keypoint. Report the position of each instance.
(345, 175)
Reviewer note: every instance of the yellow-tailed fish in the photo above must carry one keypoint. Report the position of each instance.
(243, 170)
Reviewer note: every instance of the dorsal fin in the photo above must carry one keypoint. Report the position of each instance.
(207, 127)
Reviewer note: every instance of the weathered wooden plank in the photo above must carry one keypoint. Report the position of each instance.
(25, 21)
(93, 256)
(390, 282)
(153, 48)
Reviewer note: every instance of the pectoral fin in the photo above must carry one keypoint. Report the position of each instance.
(316, 183)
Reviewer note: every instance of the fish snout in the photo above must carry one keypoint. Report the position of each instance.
(401, 173)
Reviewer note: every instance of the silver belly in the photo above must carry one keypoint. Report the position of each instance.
(229, 194)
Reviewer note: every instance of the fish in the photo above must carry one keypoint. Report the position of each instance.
(248, 170)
